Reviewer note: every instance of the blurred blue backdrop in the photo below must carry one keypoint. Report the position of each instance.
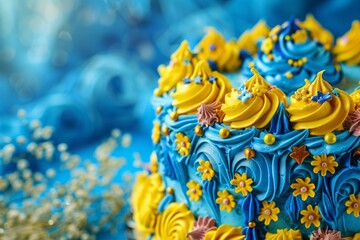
(85, 67)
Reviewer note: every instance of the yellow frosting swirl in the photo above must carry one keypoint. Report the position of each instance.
(318, 32)
(147, 194)
(174, 223)
(319, 118)
(225, 232)
(205, 86)
(258, 109)
(214, 47)
(347, 48)
(356, 98)
(181, 65)
(284, 234)
(249, 38)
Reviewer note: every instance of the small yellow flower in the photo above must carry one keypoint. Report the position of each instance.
(242, 183)
(299, 36)
(269, 212)
(194, 191)
(226, 201)
(303, 188)
(183, 144)
(206, 169)
(267, 46)
(156, 132)
(324, 164)
(310, 216)
(353, 205)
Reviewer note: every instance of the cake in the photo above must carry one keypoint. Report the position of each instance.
(270, 154)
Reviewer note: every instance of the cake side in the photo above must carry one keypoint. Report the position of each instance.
(249, 162)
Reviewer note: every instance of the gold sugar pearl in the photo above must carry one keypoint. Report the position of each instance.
(158, 109)
(269, 139)
(174, 115)
(224, 133)
(330, 138)
(198, 131)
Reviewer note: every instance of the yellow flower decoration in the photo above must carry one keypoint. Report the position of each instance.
(226, 201)
(303, 188)
(242, 183)
(269, 212)
(206, 169)
(225, 231)
(194, 191)
(174, 223)
(267, 46)
(324, 164)
(156, 132)
(353, 205)
(299, 36)
(284, 234)
(182, 144)
(310, 216)
(355, 237)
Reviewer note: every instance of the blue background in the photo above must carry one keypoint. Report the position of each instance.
(88, 66)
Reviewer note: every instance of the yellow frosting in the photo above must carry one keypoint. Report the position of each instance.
(225, 232)
(318, 32)
(147, 194)
(356, 98)
(189, 97)
(249, 38)
(181, 66)
(174, 223)
(319, 118)
(356, 237)
(347, 48)
(258, 109)
(214, 47)
(283, 234)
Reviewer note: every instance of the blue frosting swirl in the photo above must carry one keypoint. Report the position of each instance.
(293, 206)
(345, 142)
(284, 49)
(280, 123)
(238, 139)
(336, 191)
(283, 143)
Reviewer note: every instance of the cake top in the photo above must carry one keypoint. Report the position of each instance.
(293, 72)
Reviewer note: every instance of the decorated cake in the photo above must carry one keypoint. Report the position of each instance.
(272, 153)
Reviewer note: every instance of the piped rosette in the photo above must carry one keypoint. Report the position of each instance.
(318, 107)
(347, 48)
(248, 40)
(318, 32)
(253, 104)
(181, 65)
(221, 55)
(289, 55)
(203, 86)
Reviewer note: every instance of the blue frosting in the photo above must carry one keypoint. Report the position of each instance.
(271, 169)
(275, 70)
(336, 191)
(283, 142)
(280, 123)
(293, 206)
(169, 198)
